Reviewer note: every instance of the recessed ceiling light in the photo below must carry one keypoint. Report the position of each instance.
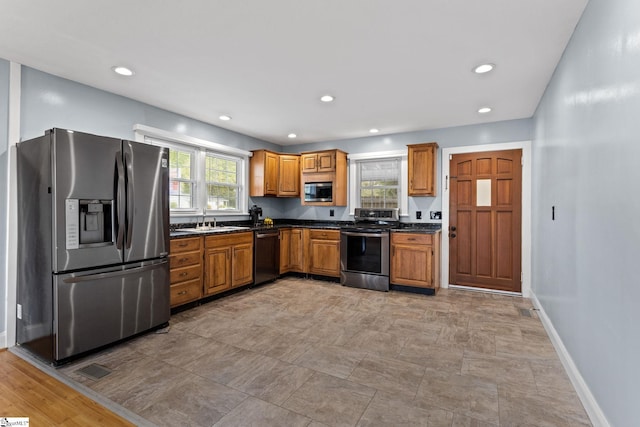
(483, 68)
(123, 71)
(484, 110)
(374, 130)
(326, 98)
(225, 117)
(292, 135)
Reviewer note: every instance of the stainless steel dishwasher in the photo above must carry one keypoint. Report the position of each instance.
(266, 256)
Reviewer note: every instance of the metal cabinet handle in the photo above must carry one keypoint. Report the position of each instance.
(184, 273)
(411, 239)
(183, 293)
(183, 259)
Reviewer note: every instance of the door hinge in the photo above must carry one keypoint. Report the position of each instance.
(521, 277)
(450, 156)
(521, 161)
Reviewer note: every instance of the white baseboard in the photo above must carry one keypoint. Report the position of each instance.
(589, 402)
(3, 340)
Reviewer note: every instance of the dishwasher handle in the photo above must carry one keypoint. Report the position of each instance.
(265, 235)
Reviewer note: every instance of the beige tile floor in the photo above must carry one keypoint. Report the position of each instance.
(302, 352)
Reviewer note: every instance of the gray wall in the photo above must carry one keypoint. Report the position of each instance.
(490, 133)
(4, 179)
(49, 101)
(585, 163)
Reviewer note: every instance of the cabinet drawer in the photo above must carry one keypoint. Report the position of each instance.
(324, 234)
(228, 239)
(185, 273)
(418, 239)
(184, 259)
(185, 292)
(185, 245)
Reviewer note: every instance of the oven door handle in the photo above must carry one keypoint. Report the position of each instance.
(358, 234)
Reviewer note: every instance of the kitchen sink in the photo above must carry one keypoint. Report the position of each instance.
(213, 229)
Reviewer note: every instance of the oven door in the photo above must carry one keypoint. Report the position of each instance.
(365, 252)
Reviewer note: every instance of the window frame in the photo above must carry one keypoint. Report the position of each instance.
(194, 174)
(201, 147)
(354, 177)
(238, 186)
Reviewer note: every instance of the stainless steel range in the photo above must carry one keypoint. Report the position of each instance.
(364, 249)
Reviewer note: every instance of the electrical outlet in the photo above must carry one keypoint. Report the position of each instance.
(435, 214)
(331, 212)
(418, 214)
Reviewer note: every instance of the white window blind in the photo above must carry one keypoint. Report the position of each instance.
(379, 183)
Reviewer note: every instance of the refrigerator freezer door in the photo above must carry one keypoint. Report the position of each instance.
(96, 308)
(147, 214)
(84, 176)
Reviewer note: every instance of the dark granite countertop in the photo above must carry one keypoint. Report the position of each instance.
(177, 231)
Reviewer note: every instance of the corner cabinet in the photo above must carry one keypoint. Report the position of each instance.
(325, 166)
(185, 270)
(415, 260)
(228, 261)
(291, 250)
(324, 252)
(422, 159)
(274, 174)
(288, 175)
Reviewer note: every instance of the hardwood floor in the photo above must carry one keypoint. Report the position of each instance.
(25, 391)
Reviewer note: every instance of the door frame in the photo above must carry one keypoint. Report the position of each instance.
(526, 206)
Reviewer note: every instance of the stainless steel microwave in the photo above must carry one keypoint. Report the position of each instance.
(318, 191)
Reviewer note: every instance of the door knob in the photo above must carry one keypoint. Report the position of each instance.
(453, 228)
(452, 235)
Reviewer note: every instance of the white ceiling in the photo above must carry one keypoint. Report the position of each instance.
(396, 65)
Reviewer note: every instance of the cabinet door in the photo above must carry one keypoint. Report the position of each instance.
(309, 162)
(289, 176)
(242, 264)
(296, 253)
(217, 270)
(324, 257)
(271, 174)
(422, 169)
(285, 249)
(326, 161)
(412, 265)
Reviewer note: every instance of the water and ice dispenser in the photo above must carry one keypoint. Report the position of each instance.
(88, 223)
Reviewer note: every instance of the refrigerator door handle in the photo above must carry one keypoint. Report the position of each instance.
(130, 197)
(90, 277)
(120, 201)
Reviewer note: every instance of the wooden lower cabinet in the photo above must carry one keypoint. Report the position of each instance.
(292, 250)
(185, 270)
(415, 259)
(285, 250)
(296, 252)
(228, 261)
(324, 252)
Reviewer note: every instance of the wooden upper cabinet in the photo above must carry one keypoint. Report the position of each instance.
(325, 166)
(274, 174)
(308, 162)
(320, 161)
(289, 175)
(422, 169)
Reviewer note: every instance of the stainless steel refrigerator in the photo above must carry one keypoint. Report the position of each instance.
(93, 218)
